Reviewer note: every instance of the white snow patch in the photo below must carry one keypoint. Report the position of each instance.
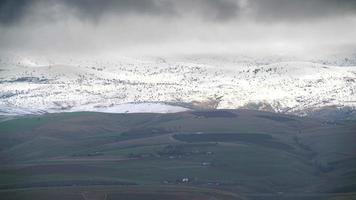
(133, 108)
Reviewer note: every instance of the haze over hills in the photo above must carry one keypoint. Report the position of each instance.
(177, 100)
(32, 85)
(294, 57)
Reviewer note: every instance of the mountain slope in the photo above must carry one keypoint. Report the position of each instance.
(99, 84)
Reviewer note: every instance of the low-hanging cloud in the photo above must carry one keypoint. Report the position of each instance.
(12, 11)
(157, 26)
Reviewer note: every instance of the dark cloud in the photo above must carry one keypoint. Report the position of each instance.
(94, 9)
(214, 10)
(219, 10)
(224, 10)
(175, 26)
(300, 10)
(13, 11)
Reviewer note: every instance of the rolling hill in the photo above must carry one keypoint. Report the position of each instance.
(229, 154)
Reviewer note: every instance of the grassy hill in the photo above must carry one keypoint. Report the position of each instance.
(223, 154)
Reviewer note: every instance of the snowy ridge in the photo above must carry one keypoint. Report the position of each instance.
(121, 84)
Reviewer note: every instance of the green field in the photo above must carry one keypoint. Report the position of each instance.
(228, 154)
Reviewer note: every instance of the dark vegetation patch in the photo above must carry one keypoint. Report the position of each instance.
(167, 118)
(29, 79)
(276, 118)
(254, 138)
(141, 133)
(222, 137)
(212, 114)
(183, 150)
(172, 150)
(5, 95)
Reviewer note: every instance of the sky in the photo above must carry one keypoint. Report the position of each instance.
(175, 27)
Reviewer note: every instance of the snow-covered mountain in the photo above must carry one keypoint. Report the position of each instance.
(109, 84)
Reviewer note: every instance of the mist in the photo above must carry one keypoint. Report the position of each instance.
(168, 28)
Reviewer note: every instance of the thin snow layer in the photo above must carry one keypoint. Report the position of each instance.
(117, 85)
(133, 108)
(121, 108)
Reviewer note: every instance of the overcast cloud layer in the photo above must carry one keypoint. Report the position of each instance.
(177, 26)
